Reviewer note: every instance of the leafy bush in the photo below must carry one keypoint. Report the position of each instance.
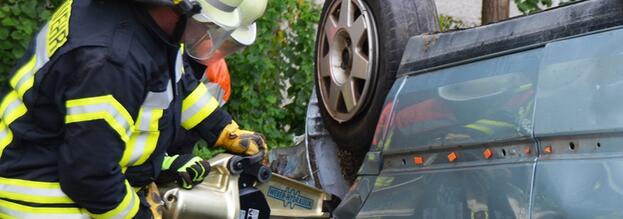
(271, 80)
(448, 23)
(533, 6)
(19, 22)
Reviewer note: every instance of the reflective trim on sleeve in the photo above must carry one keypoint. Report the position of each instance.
(102, 107)
(11, 109)
(33, 191)
(144, 139)
(14, 210)
(6, 136)
(217, 91)
(197, 106)
(126, 209)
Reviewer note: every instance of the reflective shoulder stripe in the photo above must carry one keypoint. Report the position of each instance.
(32, 191)
(14, 210)
(102, 107)
(52, 36)
(197, 106)
(23, 76)
(126, 209)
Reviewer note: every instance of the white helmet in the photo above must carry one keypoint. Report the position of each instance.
(222, 27)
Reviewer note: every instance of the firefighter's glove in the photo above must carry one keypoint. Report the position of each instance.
(190, 170)
(238, 141)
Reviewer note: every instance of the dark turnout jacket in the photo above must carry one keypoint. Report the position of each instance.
(100, 90)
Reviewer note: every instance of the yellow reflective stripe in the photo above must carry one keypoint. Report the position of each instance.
(194, 96)
(126, 209)
(6, 216)
(102, 107)
(35, 198)
(29, 183)
(203, 113)
(33, 191)
(156, 115)
(149, 147)
(22, 71)
(8, 137)
(480, 128)
(144, 138)
(152, 137)
(11, 108)
(58, 28)
(24, 211)
(197, 106)
(27, 85)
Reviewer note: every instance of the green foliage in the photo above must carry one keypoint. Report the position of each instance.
(272, 80)
(447, 23)
(19, 22)
(533, 6)
(202, 150)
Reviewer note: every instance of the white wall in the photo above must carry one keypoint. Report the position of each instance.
(467, 11)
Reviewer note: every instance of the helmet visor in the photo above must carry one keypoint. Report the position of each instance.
(227, 48)
(202, 40)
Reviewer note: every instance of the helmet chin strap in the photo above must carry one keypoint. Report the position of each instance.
(180, 27)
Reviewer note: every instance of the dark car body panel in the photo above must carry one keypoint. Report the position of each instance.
(519, 119)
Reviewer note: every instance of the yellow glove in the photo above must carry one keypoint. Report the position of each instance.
(238, 141)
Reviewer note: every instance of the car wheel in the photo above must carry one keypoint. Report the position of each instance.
(358, 50)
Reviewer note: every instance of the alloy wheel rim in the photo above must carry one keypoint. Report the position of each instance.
(346, 57)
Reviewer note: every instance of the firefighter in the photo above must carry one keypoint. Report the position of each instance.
(214, 73)
(102, 90)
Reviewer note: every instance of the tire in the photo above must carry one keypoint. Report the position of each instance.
(351, 98)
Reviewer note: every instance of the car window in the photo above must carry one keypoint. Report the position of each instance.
(483, 101)
(580, 86)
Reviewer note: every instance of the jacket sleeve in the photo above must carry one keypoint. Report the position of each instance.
(200, 110)
(100, 100)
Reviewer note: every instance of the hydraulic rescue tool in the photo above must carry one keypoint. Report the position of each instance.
(241, 187)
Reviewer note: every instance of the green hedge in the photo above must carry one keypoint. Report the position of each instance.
(282, 55)
(19, 21)
(272, 80)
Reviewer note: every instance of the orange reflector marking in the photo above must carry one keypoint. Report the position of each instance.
(487, 153)
(526, 150)
(418, 160)
(548, 149)
(452, 157)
